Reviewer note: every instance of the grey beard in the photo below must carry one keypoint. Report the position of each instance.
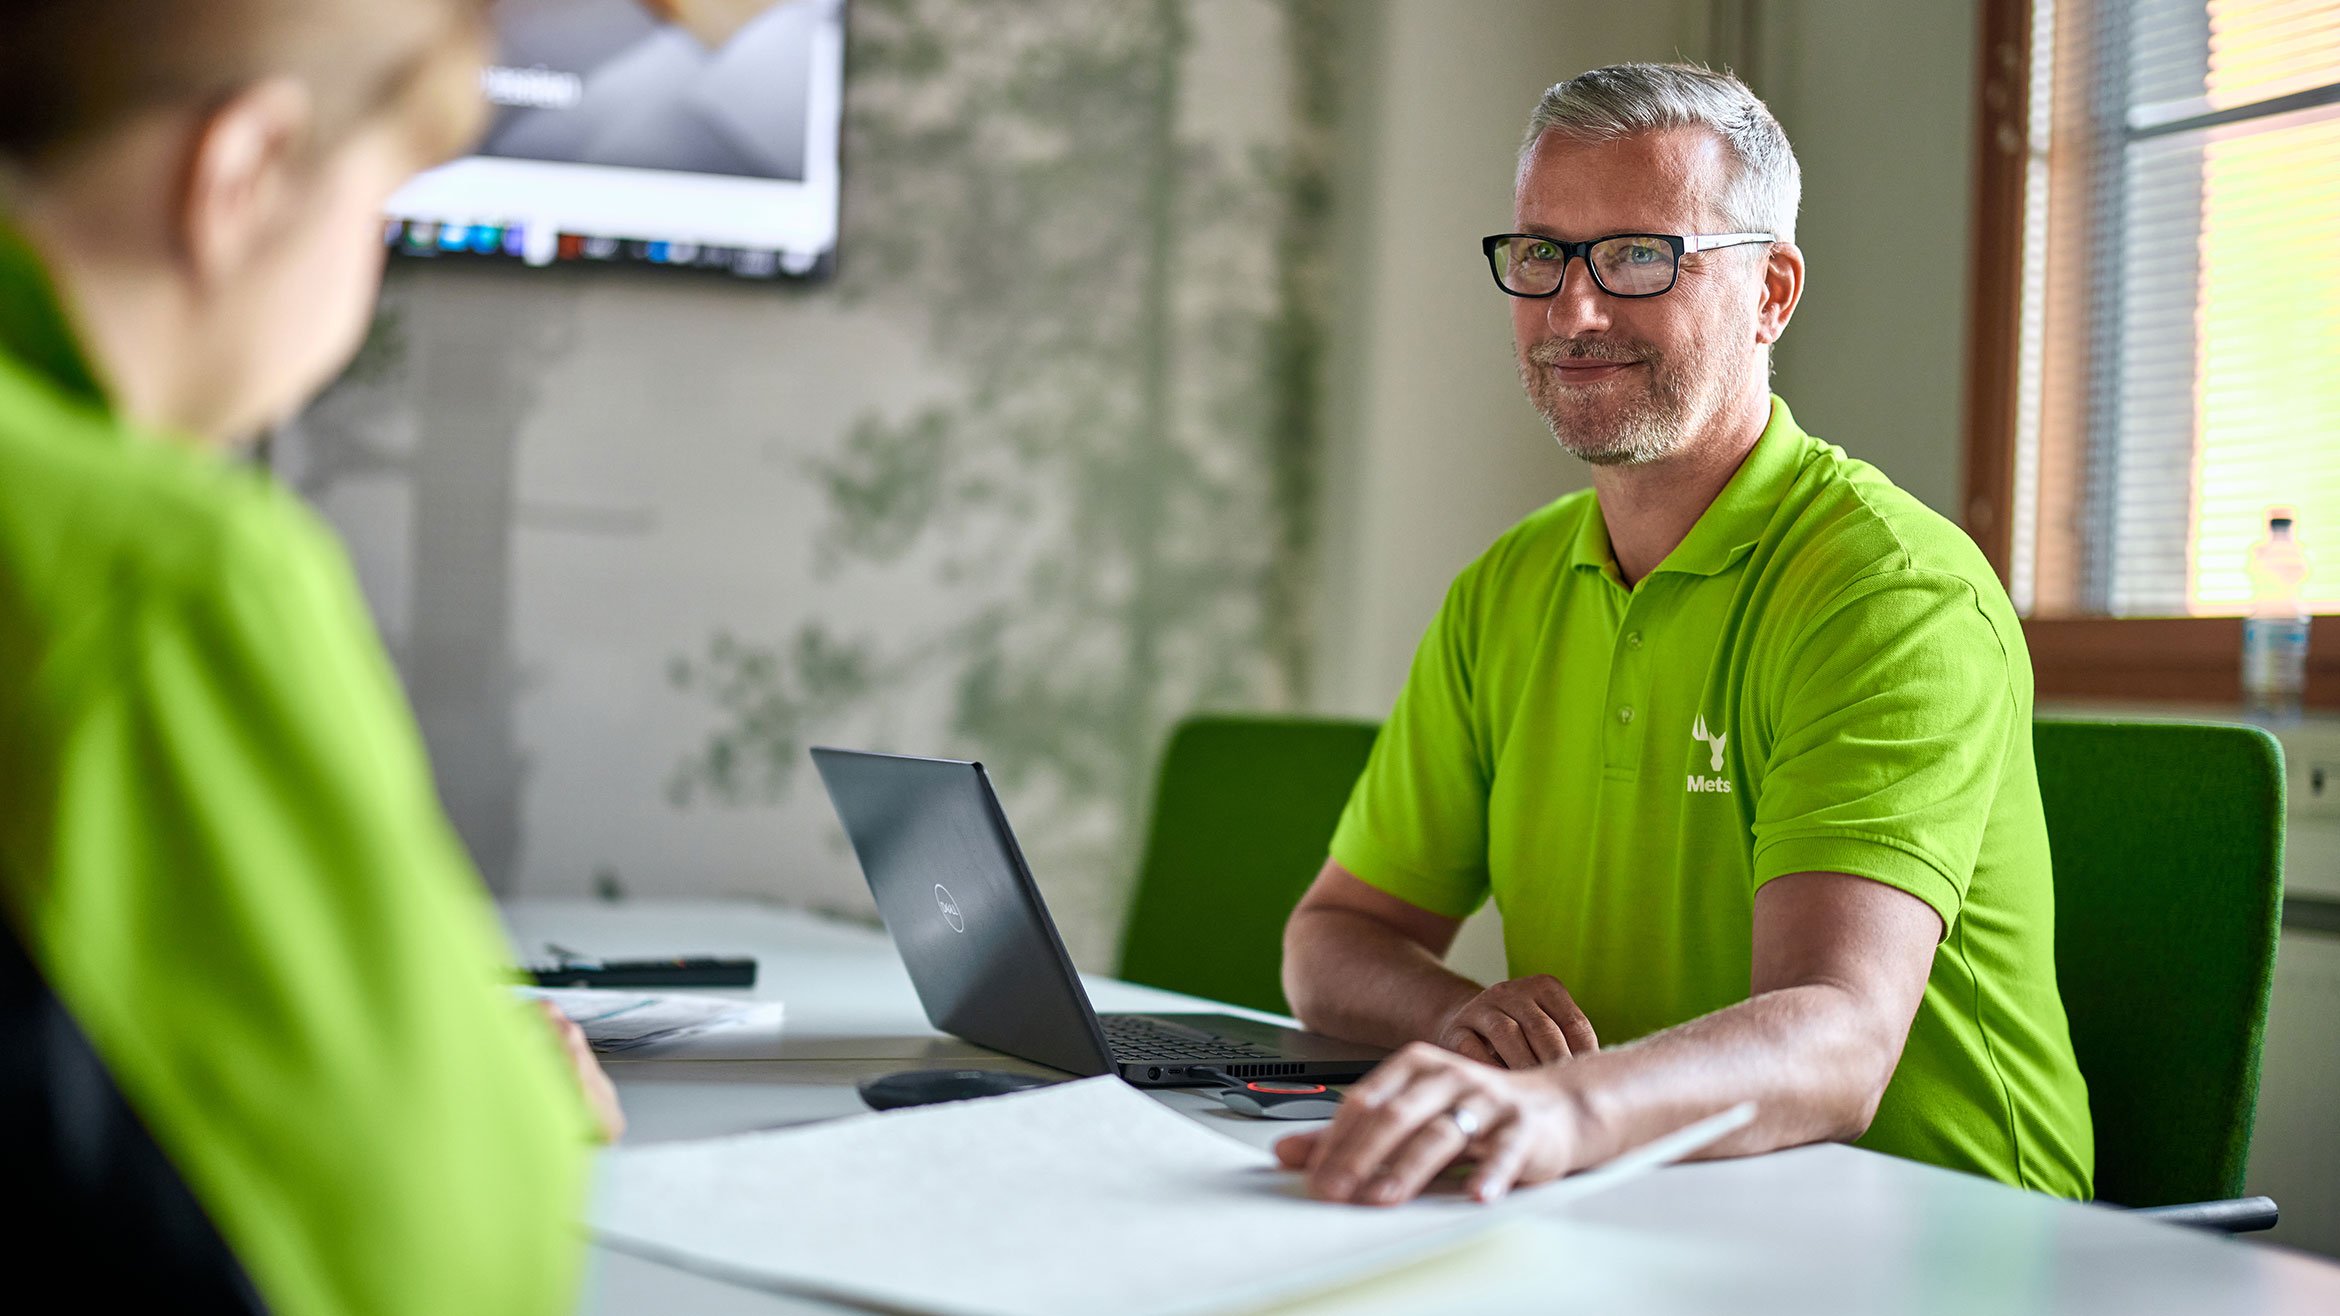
(1647, 435)
(1655, 427)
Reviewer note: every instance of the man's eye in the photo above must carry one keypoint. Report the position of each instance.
(1542, 251)
(1641, 253)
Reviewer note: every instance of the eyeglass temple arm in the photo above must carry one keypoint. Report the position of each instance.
(1710, 241)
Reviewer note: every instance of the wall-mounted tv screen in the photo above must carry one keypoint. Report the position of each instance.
(690, 133)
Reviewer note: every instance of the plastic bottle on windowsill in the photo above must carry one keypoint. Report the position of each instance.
(2275, 635)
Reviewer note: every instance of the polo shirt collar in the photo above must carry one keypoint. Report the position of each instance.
(33, 328)
(1732, 522)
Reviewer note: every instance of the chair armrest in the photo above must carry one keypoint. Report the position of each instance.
(2235, 1215)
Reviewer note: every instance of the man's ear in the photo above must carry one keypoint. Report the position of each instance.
(239, 177)
(1782, 288)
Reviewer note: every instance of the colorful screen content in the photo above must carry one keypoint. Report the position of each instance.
(688, 133)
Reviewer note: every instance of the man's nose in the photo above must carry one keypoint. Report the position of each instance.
(1579, 306)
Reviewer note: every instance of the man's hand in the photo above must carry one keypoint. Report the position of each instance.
(600, 1094)
(1406, 1122)
(1519, 1024)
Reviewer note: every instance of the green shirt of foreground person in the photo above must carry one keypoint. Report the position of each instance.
(219, 842)
(1738, 741)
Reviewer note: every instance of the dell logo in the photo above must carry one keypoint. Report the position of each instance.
(950, 908)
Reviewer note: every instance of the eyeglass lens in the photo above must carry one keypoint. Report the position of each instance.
(1624, 266)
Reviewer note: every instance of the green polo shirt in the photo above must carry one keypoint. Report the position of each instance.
(1823, 676)
(220, 844)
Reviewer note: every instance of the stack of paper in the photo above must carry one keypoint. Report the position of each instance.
(1085, 1197)
(621, 1021)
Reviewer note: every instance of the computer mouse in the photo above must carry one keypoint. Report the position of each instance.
(926, 1087)
(1281, 1099)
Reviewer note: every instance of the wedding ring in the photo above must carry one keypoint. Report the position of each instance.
(1466, 1121)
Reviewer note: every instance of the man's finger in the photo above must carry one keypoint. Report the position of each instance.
(1471, 1046)
(1363, 1136)
(1505, 1035)
(1543, 1035)
(1579, 1031)
(1553, 996)
(1393, 1073)
(1293, 1153)
(1503, 1150)
(1383, 1082)
(1431, 1147)
(1363, 1133)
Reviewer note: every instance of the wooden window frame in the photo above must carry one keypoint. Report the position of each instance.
(2192, 660)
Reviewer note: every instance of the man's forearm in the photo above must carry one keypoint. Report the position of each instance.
(1812, 1058)
(1350, 975)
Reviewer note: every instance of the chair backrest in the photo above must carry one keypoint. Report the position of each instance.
(107, 1206)
(2168, 842)
(1243, 814)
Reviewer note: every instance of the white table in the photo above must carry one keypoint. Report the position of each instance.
(1817, 1229)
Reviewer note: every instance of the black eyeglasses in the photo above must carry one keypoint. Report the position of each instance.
(1622, 264)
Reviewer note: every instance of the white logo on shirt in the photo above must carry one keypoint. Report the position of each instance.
(1698, 731)
(1717, 785)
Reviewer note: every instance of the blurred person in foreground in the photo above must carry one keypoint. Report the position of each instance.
(1738, 740)
(257, 1032)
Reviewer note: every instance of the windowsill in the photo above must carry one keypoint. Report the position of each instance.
(2317, 724)
(2174, 660)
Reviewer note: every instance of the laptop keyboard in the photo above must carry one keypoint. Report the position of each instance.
(1134, 1037)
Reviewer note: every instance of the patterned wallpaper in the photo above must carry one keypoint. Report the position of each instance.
(1033, 477)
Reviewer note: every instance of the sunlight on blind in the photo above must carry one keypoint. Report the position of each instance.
(2269, 374)
(2179, 334)
(2269, 335)
(2261, 49)
(2031, 314)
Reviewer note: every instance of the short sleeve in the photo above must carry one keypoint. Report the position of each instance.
(1416, 824)
(1892, 729)
(249, 899)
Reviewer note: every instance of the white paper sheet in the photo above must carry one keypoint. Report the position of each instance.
(1086, 1197)
(621, 1020)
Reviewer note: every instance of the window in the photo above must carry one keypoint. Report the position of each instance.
(2155, 356)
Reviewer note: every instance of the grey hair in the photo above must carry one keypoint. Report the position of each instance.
(1626, 100)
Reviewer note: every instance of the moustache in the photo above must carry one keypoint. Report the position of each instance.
(1553, 351)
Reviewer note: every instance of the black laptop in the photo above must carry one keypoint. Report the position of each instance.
(953, 889)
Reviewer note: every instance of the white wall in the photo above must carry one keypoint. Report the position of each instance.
(1879, 102)
(2295, 1146)
(1434, 449)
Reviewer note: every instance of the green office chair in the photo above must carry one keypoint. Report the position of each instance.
(1243, 815)
(2168, 841)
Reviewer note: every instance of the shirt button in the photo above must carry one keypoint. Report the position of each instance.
(1633, 640)
(1625, 715)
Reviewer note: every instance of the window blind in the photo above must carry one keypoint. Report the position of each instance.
(2179, 371)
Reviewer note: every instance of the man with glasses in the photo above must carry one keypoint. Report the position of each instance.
(1739, 741)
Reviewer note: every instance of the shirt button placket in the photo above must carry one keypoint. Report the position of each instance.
(1628, 690)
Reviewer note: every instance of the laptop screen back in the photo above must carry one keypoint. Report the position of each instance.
(961, 906)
